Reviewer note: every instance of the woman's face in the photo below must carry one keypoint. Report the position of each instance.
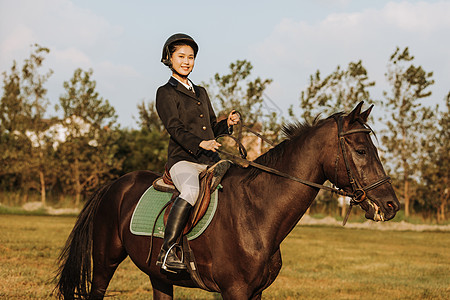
(183, 60)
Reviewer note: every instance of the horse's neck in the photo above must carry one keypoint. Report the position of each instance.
(282, 202)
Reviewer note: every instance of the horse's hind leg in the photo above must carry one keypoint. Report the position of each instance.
(102, 274)
(161, 290)
(108, 253)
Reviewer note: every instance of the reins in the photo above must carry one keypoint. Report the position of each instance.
(243, 161)
(358, 194)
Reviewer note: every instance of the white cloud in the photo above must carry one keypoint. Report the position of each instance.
(296, 49)
(350, 30)
(126, 65)
(334, 3)
(59, 21)
(69, 31)
(76, 37)
(71, 56)
(109, 67)
(116, 79)
(422, 17)
(20, 37)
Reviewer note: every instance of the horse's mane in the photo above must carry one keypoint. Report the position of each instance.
(291, 132)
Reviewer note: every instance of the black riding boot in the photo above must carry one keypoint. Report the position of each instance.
(176, 221)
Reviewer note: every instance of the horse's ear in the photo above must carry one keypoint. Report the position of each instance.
(365, 114)
(354, 115)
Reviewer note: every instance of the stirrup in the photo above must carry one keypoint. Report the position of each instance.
(164, 266)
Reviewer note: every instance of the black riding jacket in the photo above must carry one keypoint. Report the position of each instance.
(189, 118)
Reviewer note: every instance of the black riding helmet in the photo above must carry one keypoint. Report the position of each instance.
(177, 37)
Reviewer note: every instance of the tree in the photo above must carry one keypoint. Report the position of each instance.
(339, 91)
(88, 151)
(409, 84)
(12, 126)
(146, 148)
(33, 90)
(25, 144)
(434, 164)
(148, 117)
(236, 91)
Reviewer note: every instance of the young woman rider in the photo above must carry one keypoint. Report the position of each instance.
(188, 116)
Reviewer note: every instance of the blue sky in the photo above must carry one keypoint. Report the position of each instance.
(284, 40)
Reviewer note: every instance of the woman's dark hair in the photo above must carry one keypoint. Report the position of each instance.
(174, 46)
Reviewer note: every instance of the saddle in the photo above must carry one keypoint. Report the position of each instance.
(209, 180)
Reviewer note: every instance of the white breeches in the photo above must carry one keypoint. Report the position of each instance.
(185, 178)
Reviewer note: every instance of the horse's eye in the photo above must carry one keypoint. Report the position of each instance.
(361, 151)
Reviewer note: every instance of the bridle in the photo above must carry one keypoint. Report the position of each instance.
(359, 192)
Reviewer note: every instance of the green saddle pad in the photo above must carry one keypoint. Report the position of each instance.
(151, 203)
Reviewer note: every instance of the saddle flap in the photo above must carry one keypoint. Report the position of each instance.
(200, 207)
(209, 180)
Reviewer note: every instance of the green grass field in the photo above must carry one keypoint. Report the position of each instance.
(318, 263)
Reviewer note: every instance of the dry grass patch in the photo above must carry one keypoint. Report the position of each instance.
(318, 263)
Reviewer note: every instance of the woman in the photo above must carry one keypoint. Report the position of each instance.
(187, 114)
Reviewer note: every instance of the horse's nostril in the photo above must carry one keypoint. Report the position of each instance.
(391, 205)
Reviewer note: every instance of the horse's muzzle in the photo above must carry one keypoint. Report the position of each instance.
(379, 212)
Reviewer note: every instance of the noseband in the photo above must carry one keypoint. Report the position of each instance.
(359, 192)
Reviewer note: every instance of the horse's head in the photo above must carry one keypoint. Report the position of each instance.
(357, 168)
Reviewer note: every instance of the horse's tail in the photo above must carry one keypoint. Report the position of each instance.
(74, 273)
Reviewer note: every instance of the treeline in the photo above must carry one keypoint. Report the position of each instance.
(61, 159)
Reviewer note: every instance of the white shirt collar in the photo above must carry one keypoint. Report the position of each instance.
(188, 86)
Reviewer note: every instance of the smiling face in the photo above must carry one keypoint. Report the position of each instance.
(182, 61)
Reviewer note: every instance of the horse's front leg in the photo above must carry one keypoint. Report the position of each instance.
(240, 289)
(245, 291)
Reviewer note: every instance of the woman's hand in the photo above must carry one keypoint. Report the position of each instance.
(212, 145)
(233, 118)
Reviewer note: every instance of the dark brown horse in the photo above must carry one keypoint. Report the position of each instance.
(239, 253)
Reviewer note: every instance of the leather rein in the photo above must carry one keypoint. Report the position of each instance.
(358, 194)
